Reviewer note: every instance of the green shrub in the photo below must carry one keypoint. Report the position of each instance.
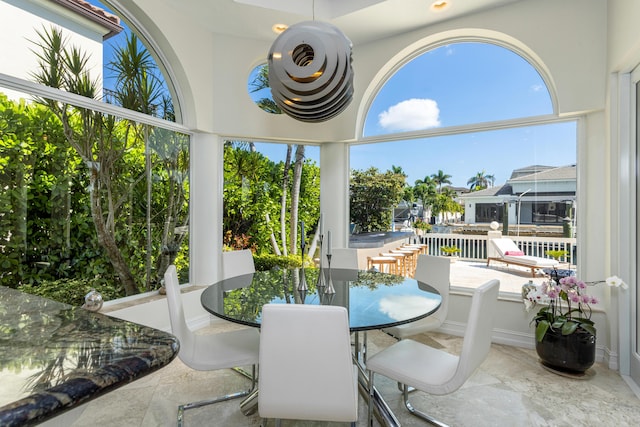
(268, 261)
(72, 291)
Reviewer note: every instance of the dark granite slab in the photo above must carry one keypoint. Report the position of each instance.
(377, 239)
(54, 357)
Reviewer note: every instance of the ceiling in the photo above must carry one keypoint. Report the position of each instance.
(362, 21)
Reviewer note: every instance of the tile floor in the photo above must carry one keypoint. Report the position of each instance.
(509, 389)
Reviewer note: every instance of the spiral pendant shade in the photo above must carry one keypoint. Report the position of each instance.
(310, 72)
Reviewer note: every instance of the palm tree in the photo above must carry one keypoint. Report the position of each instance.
(441, 178)
(480, 180)
(89, 133)
(425, 190)
(102, 140)
(398, 170)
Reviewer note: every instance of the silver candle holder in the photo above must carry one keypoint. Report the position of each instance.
(321, 279)
(302, 285)
(329, 289)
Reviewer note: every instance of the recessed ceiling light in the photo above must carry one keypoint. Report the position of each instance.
(279, 28)
(440, 5)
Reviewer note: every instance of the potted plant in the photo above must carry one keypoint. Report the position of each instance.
(565, 334)
(422, 226)
(450, 251)
(557, 254)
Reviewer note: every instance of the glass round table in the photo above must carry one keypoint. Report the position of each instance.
(374, 300)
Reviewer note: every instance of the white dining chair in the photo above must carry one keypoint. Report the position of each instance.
(346, 258)
(436, 272)
(435, 371)
(306, 365)
(207, 352)
(237, 263)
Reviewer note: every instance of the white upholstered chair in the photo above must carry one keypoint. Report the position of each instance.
(206, 352)
(306, 365)
(436, 272)
(346, 258)
(237, 263)
(435, 371)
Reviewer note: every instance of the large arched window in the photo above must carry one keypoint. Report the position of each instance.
(472, 128)
(94, 195)
(458, 84)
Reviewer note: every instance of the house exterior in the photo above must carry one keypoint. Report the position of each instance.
(85, 25)
(536, 195)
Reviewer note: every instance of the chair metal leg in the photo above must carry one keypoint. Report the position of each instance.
(400, 387)
(224, 398)
(370, 402)
(417, 413)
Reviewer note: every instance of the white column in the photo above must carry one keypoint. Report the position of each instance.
(334, 191)
(205, 229)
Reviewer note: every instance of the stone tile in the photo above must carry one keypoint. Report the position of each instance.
(509, 389)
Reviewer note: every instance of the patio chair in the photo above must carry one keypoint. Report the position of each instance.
(436, 371)
(208, 352)
(237, 263)
(434, 271)
(346, 258)
(506, 251)
(306, 365)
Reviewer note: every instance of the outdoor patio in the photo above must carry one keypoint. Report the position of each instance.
(469, 274)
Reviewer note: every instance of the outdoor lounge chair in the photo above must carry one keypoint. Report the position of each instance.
(506, 251)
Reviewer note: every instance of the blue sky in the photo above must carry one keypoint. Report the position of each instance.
(452, 85)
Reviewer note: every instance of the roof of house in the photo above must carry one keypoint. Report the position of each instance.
(498, 190)
(528, 170)
(561, 173)
(94, 13)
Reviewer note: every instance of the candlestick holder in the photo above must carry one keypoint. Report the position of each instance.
(329, 289)
(303, 295)
(302, 285)
(321, 279)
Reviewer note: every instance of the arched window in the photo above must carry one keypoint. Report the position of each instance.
(472, 128)
(458, 84)
(93, 194)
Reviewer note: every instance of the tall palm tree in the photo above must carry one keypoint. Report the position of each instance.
(89, 133)
(480, 180)
(425, 190)
(441, 178)
(398, 170)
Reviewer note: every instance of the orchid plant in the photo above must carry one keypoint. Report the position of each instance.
(567, 304)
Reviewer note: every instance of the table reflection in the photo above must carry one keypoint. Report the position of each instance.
(374, 300)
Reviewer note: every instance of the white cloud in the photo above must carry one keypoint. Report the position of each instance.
(412, 114)
(537, 87)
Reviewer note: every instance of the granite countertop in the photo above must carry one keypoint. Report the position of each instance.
(54, 356)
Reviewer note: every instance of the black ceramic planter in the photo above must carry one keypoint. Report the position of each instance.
(572, 353)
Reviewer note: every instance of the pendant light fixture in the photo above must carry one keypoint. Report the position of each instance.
(310, 71)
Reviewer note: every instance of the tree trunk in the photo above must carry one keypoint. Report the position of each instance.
(283, 201)
(272, 237)
(295, 198)
(107, 240)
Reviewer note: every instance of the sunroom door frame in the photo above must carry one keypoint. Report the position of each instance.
(625, 253)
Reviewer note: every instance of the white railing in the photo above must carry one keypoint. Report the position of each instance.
(474, 247)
